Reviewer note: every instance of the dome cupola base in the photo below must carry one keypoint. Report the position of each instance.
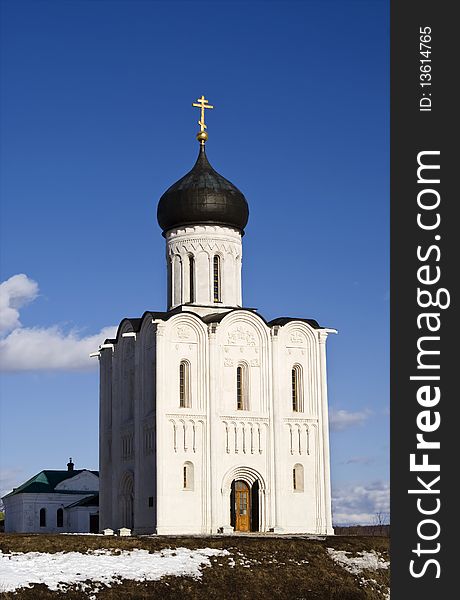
(204, 267)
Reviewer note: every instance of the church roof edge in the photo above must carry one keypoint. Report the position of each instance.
(136, 323)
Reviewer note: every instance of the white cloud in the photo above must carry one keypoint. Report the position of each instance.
(40, 348)
(15, 292)
(359, 504)
(343, 419)
(358, 460)
(30, 349)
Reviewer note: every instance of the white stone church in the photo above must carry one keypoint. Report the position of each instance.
(211, 418)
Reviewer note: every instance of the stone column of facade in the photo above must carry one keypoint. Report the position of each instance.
(139, 499)
(213, 435)
(116, 442)
(105, 438)
(275, 432)
(327, 521)
(161, 384)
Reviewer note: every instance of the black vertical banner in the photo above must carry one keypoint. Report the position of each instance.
(425, 251)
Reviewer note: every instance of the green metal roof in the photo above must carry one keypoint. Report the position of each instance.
(46, 481)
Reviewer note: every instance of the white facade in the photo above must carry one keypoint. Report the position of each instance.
(52, 511)
(211, 419)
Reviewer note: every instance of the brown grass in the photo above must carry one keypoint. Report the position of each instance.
(380, 530)
(276, 569)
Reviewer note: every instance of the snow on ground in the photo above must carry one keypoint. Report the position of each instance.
(94, 534)
(18, 569)
(355, 564)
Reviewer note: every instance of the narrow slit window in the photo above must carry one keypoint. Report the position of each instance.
(216, 278)
(297, 478)
(192, 278)
(295, 398)
(296, 389)
(43, 517)
(187, 476)
(184, 384)
(241, 388)
(59, 517)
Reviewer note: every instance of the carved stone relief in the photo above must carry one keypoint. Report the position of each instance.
(183, 332)
(241, 335)
(297, 338)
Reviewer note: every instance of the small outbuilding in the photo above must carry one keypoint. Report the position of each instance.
(55, 502)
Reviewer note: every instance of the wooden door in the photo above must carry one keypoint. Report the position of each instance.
(242, 506)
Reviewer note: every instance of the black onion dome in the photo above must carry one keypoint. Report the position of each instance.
(203, 197)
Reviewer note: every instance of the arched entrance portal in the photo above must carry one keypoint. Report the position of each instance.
(244, 506)
(249, 485)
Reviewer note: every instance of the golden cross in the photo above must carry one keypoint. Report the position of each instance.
(202, 103)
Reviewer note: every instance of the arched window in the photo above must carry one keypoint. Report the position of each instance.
(60, 517)
(242, 388)
(192, 278)
(43, 517)
(187, 476)
(297, 388)
(184, 384)
(297, 478)
(216, 279)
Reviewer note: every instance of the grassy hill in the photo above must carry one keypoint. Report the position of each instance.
(250, 567)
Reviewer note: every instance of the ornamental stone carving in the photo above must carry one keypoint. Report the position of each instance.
(241, 335)
(297, 338)
(183, 332)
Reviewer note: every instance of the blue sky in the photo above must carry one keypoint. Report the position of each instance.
(97, 122)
